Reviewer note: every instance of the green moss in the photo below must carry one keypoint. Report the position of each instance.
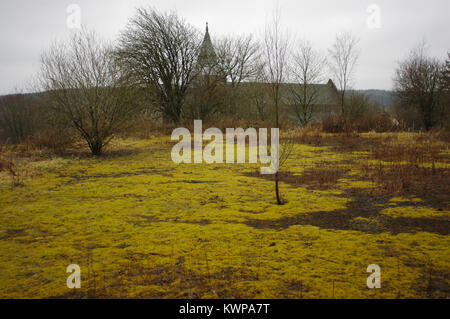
(414, 212)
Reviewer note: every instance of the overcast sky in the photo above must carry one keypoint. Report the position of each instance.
(28, 27)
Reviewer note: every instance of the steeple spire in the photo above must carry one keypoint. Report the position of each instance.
(207, 58)
(207, 49)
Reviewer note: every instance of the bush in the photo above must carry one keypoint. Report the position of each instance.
(378, 122)
(333, 124)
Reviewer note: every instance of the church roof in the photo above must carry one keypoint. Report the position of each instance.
(327, 93)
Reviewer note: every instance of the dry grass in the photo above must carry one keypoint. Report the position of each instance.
(10, 166)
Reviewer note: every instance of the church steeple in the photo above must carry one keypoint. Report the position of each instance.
(207, 59)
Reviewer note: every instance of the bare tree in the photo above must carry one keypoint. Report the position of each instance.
(160, 50)
(238, 60)
(276, 54)
(420, 82)
(307, 69)
(83, 83)
(344, 56)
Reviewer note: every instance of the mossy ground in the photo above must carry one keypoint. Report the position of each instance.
(141, 226)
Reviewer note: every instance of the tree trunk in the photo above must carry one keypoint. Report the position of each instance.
(96, 148)
(277, 192)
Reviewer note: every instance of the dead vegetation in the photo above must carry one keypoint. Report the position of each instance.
(429, 184)
(407, 165)
(413, 165)
(10, 166)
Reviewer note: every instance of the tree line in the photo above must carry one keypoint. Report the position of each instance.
(97, 89)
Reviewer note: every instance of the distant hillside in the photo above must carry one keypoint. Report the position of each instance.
(26, 95)
(382, 97)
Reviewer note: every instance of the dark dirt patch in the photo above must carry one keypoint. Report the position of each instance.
(189, 182)
(343, 220)
(362, 205)
(197, 182)
(149, 219)
(436, 225)
(196, 222)
(80, 178)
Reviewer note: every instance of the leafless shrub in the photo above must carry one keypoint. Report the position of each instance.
(85, 85)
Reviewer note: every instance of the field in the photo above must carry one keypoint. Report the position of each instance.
(141, 226)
